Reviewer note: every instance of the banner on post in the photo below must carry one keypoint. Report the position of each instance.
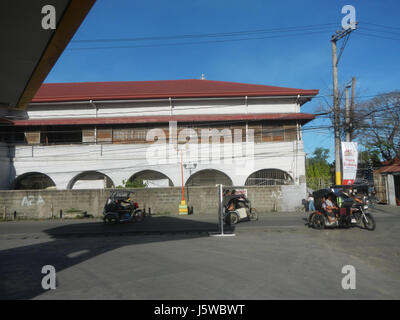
(349, 162)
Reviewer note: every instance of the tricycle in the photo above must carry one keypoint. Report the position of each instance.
(336, 208)
(120, 207)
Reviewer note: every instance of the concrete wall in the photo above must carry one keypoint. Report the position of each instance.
(390, 190)
(41, 204)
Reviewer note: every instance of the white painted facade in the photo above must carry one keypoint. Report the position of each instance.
(162, 107)
(62, 163)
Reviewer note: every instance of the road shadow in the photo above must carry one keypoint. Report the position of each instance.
(71, 244)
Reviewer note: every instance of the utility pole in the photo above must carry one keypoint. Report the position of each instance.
(336, 112)
(336, 104)
(353, 95)
(347, 103)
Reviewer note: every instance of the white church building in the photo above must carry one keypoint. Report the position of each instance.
(155, 133)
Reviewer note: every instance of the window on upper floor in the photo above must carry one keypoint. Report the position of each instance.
(60, 135)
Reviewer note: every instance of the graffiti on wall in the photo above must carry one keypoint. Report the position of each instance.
(31, 200)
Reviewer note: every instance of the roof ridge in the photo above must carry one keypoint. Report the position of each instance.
(169, 80)
(148, 89)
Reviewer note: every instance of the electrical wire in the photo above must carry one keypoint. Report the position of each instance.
(195, 43)
(206, 35)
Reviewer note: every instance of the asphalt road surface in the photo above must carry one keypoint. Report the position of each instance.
(169, 257)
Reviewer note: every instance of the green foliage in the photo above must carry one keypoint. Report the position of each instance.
(318, 170)
(137, 183)
(370, 156)
(320, 156)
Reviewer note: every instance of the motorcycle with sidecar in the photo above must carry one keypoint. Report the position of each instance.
(349, 212)
(238, 208)
(120, 207)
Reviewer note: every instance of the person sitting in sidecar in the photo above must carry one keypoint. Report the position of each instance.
(330, 208)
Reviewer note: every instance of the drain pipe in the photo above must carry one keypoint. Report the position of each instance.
(95, 127)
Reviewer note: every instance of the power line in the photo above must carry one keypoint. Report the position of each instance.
(195, 43)
(380, 25)
(378, 36)
(64, 115)
(141, 146)
(206, 35)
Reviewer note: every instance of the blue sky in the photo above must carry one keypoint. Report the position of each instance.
(300, 61)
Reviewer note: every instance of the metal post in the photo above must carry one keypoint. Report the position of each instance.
(345, 33)
(221, 219)
(221, 216)
(353, 93)
(336, 110)
(348, 134)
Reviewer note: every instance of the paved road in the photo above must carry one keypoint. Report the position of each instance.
(273, 258)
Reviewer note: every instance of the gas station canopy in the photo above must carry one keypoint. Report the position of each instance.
(29, 51)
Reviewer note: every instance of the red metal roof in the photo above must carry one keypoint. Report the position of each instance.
(191, 88)
(393, 166)
(304, 117)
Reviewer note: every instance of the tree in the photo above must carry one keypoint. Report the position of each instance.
(137, 183)
(320, 155)
(375, 123)
(367, 161)
(318, 170)
(380, 125)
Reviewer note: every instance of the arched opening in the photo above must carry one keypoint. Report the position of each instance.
(209, 177)
(91, 180)
(269, 177)
(33, 181)
(150, 179)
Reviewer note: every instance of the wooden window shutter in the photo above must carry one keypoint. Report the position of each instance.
(104, 135)
(257, 132)
(32, 137)
(290, 132)
(88, 136)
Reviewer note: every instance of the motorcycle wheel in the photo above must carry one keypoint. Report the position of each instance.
(110, 219)
(370, 225)
(139, 215)
(318, 222)
(310, 219)
(232, 218)
(253, 215)
(357, 216)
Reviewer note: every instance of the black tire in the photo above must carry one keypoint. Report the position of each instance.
(111, 219)
(232, 218)
(139, 215)
(318, 222)
(310, 219)
(371, 222)
(253, 216)
(358, 216)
